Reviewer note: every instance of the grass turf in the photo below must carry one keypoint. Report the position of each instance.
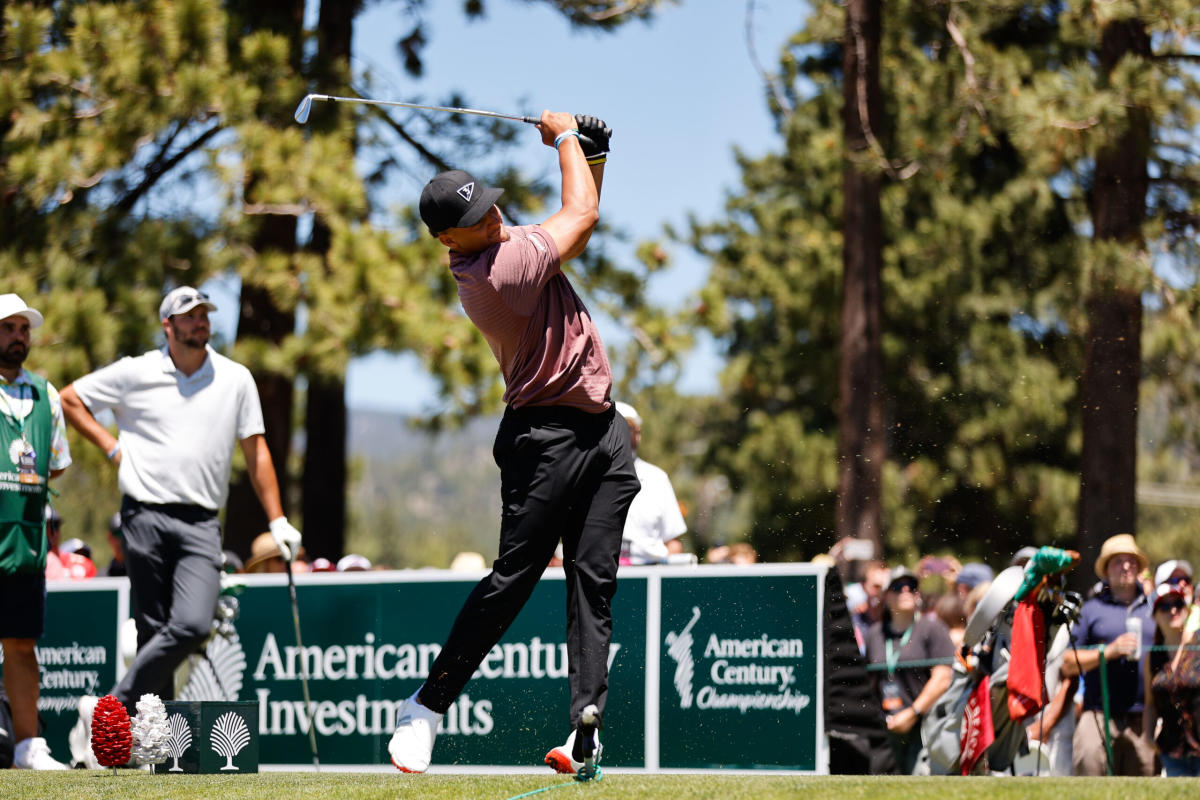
(132, 785)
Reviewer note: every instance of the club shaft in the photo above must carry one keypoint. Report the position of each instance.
(312, 734)
(449, 109)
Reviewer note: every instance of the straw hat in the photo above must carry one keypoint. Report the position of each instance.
(1121, 544)
(262, 549)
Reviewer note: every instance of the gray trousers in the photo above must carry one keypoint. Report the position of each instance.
(173, 554)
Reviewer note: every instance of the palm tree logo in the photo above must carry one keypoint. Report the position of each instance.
(230, 735)
(179, 741)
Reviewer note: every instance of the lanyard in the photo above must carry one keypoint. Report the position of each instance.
(18, 422)
(893, 656)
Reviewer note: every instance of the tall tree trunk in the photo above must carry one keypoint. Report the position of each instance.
(260, 317)
(324, 481)
(861, 444)
(1112, 359)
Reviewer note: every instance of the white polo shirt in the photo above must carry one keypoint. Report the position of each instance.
(654, 517)
(177, 431)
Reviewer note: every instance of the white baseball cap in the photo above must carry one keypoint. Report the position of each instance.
(353, 562)
(629, 413)
(1167, 569)
(183, 300)
(13, 306)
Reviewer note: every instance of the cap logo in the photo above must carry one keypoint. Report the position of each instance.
(466, 190)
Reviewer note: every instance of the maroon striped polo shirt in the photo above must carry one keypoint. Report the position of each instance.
(545, 341)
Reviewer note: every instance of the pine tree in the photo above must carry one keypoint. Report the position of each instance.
(978, 261)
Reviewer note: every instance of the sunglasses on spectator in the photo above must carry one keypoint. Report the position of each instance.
(1174, 579)
(903, 586)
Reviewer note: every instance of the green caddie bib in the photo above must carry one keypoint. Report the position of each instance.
(24, 479)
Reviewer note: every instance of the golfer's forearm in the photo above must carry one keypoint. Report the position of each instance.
(80, 418)
(598, 179)
(261, 470)
(580, 189)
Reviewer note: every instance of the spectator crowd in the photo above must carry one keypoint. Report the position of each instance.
(1121, 683)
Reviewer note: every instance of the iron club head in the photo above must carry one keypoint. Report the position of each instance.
(304, 109)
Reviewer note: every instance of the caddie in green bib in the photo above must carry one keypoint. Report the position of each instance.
(24, 473)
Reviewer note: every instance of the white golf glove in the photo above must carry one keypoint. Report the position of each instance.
(286, 537)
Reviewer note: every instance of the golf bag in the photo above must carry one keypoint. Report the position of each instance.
(992, 740)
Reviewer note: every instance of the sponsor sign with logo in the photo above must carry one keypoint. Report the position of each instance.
(740, 672)
(211, 737)
(710, 667)
(78, 653)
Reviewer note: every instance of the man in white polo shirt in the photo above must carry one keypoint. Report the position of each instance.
(178, 410)
(655, 522)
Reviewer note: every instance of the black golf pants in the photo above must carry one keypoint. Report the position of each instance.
(566, 474)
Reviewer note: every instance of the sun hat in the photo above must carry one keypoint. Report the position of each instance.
(264, 548)
(1121, 544)
(13, 306)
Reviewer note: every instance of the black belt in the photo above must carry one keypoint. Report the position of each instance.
(174, 509)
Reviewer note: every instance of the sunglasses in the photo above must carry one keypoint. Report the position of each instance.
(1172, 606)
(900, 587)
(186, 300)
(1174, 579)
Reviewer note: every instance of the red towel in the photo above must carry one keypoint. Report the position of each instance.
(1027, 664)
(977, 730)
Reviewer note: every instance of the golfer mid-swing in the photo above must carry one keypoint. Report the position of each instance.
(566, 465)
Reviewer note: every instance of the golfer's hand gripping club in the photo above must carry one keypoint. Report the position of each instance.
(594, 134)
(286, 537)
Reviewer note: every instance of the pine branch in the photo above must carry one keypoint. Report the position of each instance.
(771, 83)
(968, 58)
(1193, 58)
(425, 153)
(160, 166)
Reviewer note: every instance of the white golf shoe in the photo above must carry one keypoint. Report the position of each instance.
(80, 737)
(34, 753)
(562, 758)
(411, 747)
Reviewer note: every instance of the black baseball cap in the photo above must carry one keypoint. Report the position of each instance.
(454, 199)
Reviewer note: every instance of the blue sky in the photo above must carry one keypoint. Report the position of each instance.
(680, 93)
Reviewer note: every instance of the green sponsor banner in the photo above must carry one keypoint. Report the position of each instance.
(740, 672)
(368, 645)
(710, 667)
(78, 653)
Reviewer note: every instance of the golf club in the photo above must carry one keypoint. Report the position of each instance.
(312, 734)
(305, 108)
